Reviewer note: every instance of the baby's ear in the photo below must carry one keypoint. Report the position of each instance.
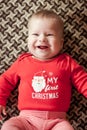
(62, 42)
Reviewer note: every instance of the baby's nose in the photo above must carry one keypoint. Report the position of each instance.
(42, 37)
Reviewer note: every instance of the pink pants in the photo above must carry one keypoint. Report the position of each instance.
(38, 120)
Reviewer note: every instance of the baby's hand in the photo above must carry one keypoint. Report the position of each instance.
(2, 111)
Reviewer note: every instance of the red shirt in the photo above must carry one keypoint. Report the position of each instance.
(43, 85)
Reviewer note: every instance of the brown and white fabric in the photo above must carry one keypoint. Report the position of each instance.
(14, 15)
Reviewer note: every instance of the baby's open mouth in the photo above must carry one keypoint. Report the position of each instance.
(42, 47)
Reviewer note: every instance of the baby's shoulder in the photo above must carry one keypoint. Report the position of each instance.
(65, 56)
(23, 56)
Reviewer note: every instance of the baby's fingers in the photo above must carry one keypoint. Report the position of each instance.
(2, 111)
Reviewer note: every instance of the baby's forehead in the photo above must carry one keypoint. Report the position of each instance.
(55, 20)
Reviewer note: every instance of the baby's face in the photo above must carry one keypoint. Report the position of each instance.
(44, 41)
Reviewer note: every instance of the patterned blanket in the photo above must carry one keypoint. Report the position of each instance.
(13, 41)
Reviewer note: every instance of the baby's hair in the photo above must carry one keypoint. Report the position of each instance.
(50, 15)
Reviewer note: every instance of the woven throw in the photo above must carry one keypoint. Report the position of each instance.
(14, 15)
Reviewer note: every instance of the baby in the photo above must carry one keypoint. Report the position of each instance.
(45, 76)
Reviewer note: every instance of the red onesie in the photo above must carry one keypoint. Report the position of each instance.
(43, 85)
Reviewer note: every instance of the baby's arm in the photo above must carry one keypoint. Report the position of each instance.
(8, 81)
(79, 78)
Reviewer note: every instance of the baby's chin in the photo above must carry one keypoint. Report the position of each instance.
(42, 57)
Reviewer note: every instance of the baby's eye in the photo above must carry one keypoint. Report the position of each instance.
(35, 34)
(49, 34)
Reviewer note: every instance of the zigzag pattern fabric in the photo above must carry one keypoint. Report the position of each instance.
(14, 17)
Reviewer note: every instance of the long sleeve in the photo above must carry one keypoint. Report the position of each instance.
(79, 77)
(8, 81)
